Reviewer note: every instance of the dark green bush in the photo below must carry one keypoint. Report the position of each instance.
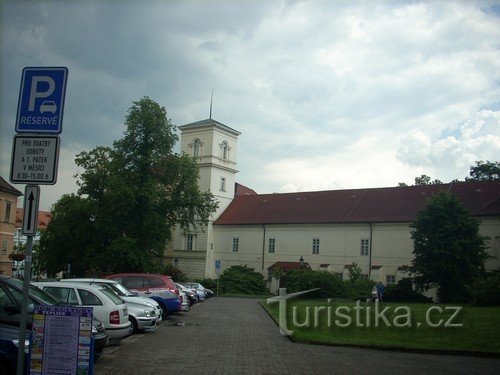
(485, 291)
(329, 284)
(403, 292)
(241, 280)
(359, 288)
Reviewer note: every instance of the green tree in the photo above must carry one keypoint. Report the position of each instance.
(354, 272)
(426, 180)
(68, 238)
(130, 197)
(489, 171)
(448, 251)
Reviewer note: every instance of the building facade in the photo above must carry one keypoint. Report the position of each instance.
(8, 205)
(329, 230)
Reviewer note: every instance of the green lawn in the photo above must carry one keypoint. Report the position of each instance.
(402, 325)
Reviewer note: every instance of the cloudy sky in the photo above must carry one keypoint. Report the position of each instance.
(327, 94)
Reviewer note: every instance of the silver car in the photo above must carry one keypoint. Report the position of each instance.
(143, 312)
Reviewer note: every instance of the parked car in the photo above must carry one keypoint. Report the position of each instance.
(199, 289)
(161, 288)
(9, 344)
(190, 293)
(185, 304)
(143, 312)
(11, 291)
(108, 307)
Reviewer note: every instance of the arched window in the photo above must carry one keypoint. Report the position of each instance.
(225, 150)
(196, 147)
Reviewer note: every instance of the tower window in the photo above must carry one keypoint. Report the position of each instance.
(225, 150)
(222, 184)
(196, 147)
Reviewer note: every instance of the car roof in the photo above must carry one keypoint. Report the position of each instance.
(139, 274)
(88, 280)
(70, 284)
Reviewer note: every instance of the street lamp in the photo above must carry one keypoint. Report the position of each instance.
(176, 262)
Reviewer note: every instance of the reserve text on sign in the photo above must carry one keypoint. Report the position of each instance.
(35, 159)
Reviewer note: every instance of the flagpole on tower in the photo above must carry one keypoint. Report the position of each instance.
(211, 99)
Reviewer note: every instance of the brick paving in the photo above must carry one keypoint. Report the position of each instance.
(236, 336)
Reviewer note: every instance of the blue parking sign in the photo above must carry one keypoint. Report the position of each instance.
(41, 100)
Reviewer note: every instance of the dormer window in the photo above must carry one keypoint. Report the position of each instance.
(196, 147)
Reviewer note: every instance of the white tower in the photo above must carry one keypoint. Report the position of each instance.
(213, 145)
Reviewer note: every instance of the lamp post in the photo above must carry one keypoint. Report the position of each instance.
(176, 262)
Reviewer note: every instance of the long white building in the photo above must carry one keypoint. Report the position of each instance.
(327, 229)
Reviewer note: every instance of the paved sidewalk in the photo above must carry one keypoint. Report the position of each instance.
(236, 336)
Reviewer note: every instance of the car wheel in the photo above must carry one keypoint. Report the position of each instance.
(165, 311)
(135, 327)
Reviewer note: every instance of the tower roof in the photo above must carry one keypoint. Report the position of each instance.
(209, 123)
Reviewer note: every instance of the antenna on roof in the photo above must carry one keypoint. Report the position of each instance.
(211, 99)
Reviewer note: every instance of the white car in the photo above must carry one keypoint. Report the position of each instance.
(107, 306)
(143, 312)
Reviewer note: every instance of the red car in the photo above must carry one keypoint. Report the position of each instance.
(161, 288)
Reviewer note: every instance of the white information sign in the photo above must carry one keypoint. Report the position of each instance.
(35, 159)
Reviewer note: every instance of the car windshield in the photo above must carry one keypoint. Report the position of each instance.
(122, 291)
(34, 291)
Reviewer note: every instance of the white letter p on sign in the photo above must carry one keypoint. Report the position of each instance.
(40, 94)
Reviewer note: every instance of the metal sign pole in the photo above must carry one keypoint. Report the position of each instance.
(24, 305)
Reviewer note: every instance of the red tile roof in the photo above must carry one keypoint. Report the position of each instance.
(394, 204)
(44, 218)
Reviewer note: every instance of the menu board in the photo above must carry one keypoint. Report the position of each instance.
(61, 341)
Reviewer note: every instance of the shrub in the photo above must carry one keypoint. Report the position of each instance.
(329, 284)
(358, 288)
(241, 280)
(403, 292)
(485, 291)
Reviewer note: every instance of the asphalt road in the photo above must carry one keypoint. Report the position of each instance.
(236, 336)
